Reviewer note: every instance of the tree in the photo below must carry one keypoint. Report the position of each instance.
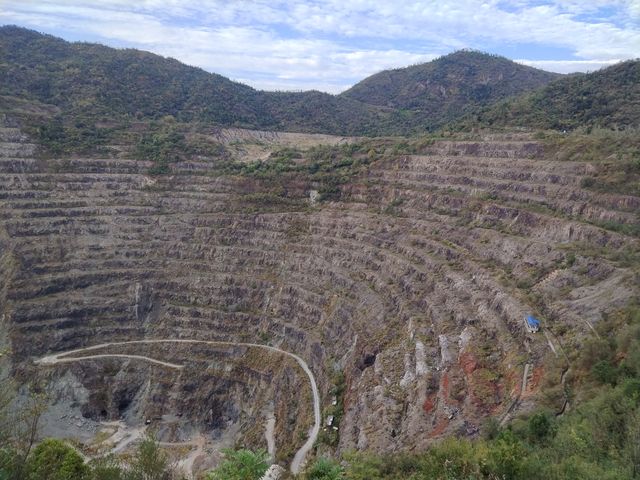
(19, 425)
(604, 372)
(106, 468)
(540, 427)
(55, 460)
(150, 462)
(324, 469)
(241, 465)
(506, 455)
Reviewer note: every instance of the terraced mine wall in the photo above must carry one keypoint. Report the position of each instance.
(407, 295)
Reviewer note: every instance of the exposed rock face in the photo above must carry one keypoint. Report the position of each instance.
(415, 287)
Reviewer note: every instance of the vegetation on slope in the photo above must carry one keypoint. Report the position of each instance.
(93, 83)
(94, 88)
(241, 465)
(88, 79)
(615, 155)
(435, 93)
(605, 98)
(54, 459)
(599, 437)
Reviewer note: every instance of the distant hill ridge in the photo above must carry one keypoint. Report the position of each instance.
(439, 91)
(606, 98)
(91, 82)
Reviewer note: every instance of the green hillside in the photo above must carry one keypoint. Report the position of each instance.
(90, 81)
(432, 94)
(607, 98)
(85, 85)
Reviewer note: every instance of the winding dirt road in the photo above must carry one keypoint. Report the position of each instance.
(301, 454)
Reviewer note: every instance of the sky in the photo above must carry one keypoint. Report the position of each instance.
(332, 44)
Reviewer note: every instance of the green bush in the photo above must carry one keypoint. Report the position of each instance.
(363, 466)
(55, 460)
(9, 463)
(540, 427)
(241, 465)
(150, 462)
(631, 388)
(604, 372)
(106, 468)
(505, 457)
(325, 469)
(451, 459)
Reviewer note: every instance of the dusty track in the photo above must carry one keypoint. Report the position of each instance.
(300, 456)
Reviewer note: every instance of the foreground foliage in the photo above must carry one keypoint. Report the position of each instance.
(54, 459)
(241, 465)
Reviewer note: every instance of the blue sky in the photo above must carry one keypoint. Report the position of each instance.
(330, 45)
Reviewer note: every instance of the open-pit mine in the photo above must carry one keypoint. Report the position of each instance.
(204, 307)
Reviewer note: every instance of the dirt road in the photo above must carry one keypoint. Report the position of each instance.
(301, 454)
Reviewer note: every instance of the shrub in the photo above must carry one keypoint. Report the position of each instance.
(150, 462)
(604, 372)
(55, 460)
(362, 466)
(324, 469)
(505, 456)
(540, 427)
(106, 468)
(241, 465)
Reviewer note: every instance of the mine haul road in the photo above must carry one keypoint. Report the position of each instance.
(301, 454)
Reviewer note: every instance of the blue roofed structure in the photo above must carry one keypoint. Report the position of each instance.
(532, 324)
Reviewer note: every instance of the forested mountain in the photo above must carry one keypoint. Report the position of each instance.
(91, 81)
(440, 91)
(608, 98)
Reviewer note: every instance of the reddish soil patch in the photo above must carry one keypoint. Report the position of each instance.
(468, 362)
(444, 384)
(512, 378)
(440, 427)
(430, 403)
(484, 390)
(534, 380)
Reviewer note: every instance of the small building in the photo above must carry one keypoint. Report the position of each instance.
(532, 324)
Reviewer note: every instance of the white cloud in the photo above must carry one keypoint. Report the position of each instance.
(331, 44)
(569, 66)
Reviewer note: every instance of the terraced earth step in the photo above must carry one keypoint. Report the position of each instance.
(418, 247)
